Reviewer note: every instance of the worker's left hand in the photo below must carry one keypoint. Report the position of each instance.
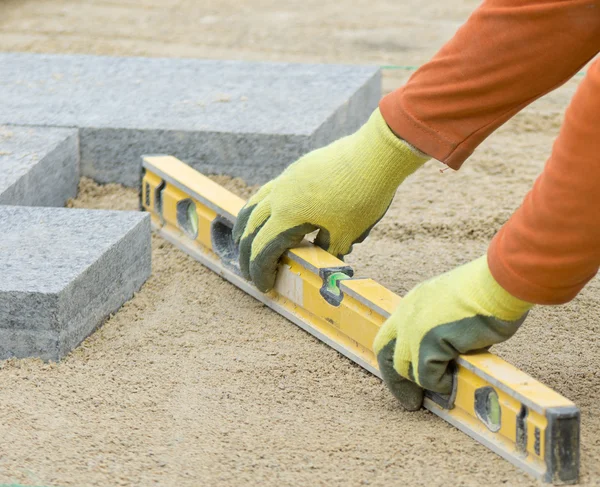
(461, 311)
(342, 190)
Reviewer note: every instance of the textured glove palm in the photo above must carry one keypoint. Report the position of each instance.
(458, 312)
(342, 190)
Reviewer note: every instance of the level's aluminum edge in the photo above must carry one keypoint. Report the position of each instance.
(507, 455)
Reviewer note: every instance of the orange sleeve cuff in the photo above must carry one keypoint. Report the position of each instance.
(531, 290)
(419, 135)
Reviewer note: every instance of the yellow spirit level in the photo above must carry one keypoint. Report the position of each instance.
(503, 408)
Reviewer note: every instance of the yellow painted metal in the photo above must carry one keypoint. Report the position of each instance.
(212, 192)
(502, 407)
(352, 325)
(378, 295)
(516, 380)
(317, 257)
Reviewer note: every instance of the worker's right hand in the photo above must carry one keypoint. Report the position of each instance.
(343, 190)
(461, 311)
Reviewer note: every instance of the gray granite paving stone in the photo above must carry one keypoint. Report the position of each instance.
(63, 271)
(38, 166)
(225, 117)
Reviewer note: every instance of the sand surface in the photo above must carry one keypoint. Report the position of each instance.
(195, 383)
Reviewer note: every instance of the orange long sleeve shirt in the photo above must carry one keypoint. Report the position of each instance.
(508, 54)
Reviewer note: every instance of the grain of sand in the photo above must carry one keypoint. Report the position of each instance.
(195, 383)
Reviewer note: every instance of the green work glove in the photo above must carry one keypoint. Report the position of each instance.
(458, 312)
(343, 190)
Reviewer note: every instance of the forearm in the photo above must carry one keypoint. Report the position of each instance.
(509, 53)
(550, 248)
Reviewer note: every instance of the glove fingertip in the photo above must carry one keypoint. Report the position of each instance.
(338, 249)
(263, 280)
(263, 267)
(245, 255)
(245, 246)
(409, 394)
(240, 224)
